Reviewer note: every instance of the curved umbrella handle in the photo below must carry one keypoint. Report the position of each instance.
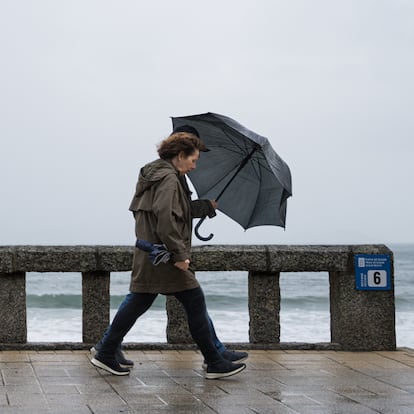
(198, 234)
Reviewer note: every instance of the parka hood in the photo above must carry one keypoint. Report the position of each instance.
(152, 173)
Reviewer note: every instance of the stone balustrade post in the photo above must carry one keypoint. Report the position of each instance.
(177, 323)
(264, 307)
(361, 320)
(13, 325)
(95, 305)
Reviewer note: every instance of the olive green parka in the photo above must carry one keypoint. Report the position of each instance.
(163, 212)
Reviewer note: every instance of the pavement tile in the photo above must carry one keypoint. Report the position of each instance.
(142, 366)
(15, 364)
(186, 375)
(95, 388)
(301, 380)
(337, 409)
(68, 380)
(243, 389)
(350, 391)
(20, 380)
(181, 400)
(236, 401)
(201, 390)
(148, 400)
(27, 400)
(383, 403)
(174, 409)
(103, 399)
(59, 409)
(29, 410)
(83, 370)
(266, 366)
(60, 389)
(23, 370)
(66, 400)
(399, 378)
(381, 388)
(150, 380)
(46, 356)
(179, 364)
(51, 371)
(22, 389)
(125, 392)
(13, 356)
(273, 408)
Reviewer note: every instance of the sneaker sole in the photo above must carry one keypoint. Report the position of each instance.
(218, 375)
(93, 352)
(126, 365)
(101, 365)
(239, 361)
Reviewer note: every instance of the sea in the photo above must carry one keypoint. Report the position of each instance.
(55, 315)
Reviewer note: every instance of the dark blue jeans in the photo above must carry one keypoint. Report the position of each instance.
(218, 344)
(136, 304)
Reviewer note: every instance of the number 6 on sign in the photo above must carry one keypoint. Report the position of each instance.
(377, 278)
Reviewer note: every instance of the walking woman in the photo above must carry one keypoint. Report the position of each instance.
(163, 214)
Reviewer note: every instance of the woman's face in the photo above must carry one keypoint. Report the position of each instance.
(184, 163)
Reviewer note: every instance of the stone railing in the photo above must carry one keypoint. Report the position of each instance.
(360, 319)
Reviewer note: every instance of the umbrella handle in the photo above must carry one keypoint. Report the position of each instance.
(198, 234)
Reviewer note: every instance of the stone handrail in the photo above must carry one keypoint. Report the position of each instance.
(360, 320)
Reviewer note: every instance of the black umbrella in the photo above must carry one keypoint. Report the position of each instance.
(157, 253)
(241, 170)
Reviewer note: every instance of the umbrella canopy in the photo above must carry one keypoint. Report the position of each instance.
(242, 171)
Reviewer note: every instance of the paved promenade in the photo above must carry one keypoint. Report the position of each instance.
(284, 382)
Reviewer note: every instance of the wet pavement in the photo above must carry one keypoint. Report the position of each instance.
(283, 382)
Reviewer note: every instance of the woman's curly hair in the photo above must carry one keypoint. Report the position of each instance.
(180, 141)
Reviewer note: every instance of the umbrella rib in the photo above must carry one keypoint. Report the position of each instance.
(222, 178)
(237, 150)
(233, 140)
(259, 176)
(239, 166)
(242, 164)
(245, 140)
(257, 158)
(244, 150)
(257, 164)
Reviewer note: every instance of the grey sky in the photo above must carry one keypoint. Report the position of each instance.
(87, 89)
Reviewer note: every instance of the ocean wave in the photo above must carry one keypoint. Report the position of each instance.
(318, 303)
(54, 301)
(72, 301)
(214, 301)
(404, 303)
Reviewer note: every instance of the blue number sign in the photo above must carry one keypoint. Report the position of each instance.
(373, 272)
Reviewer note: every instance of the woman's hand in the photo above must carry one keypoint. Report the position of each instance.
(214, 204)
(183, 265)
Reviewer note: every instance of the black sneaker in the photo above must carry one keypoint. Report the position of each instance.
(223, 369)
(119, 355)
(110, 365)
(235, 356)
(232, 356)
